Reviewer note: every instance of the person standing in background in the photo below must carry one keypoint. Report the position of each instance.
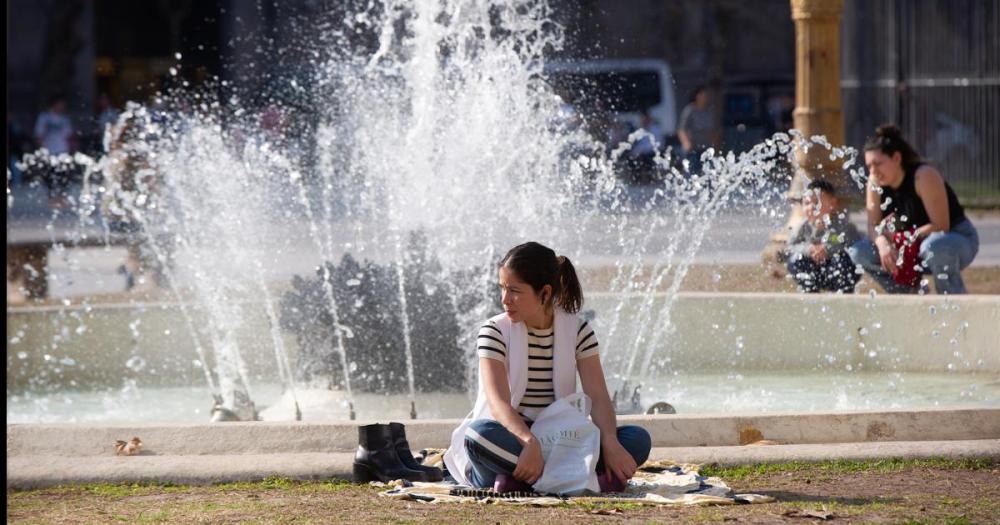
(107, 116)
(697, 128)
(54, 133)
(18, 143)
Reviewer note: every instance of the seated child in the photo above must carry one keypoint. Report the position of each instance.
(817, 249)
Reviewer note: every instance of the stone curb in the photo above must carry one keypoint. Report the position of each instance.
(182, 439)
(27, 472)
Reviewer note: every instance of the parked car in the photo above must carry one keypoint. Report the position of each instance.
(615, 97)
(612, 94)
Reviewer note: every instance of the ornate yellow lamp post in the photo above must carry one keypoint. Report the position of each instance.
(817, 68)
(817, 96)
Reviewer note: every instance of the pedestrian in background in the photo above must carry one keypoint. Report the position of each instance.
(54, 133)
(697, 127)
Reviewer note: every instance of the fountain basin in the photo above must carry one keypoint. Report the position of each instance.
(780, 331)
(777, 332)
(798, 353)
(87, 347)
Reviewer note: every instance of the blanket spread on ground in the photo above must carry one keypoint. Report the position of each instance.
(655, 483)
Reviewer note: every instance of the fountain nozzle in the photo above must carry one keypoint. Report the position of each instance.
(298, 413)
(634, 400)
(351, 405)
(413, 410)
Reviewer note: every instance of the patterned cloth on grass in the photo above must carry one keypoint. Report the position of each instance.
(655, 483)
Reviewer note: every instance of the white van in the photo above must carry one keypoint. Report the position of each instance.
(623, 88)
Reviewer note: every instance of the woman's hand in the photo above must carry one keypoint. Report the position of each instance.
(887, 254)
(530, 463)
(617, 460)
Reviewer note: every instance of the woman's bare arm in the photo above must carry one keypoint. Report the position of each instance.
(596, 388)
(930, 188)
(498, 395)
(886, 250)
(685, 140)
(530, 462)
(618, 461)
(873, 207)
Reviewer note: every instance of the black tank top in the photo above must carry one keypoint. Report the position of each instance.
(908, 207)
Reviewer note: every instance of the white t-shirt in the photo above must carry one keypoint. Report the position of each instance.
(540, 392)
(54, 131)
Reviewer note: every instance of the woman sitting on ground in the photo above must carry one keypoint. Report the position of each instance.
(907, 196)
(541, 294)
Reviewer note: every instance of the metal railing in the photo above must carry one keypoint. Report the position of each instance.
(933, 68)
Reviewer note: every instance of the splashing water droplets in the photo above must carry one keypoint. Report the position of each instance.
(136, 363)
(410, 135)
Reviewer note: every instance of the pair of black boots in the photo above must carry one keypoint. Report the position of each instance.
(384, 455)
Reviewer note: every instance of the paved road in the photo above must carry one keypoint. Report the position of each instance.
(737, 235)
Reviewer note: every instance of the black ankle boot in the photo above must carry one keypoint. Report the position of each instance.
(376, 459)
(403, 451)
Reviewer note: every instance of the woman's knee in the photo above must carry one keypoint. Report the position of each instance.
(483, 426)
(940, 248)
(482, 429)
(636, 441)
(490, 434)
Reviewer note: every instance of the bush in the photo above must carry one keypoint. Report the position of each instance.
(370, 313)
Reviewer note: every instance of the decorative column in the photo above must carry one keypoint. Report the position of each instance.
(817, 69)
(817, 98)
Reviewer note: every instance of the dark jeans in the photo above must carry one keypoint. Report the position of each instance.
(943, 254)
(494, 450)
(836, 274)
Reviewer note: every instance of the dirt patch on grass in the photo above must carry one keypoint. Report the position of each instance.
(914, 493)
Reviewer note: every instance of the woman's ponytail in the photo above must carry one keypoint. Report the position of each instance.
(570, 296)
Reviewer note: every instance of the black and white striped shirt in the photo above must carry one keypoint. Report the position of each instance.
(541, 343)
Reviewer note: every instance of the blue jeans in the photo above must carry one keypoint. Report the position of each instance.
(943, 254)
(494, 450)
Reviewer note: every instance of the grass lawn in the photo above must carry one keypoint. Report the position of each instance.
(889, 491)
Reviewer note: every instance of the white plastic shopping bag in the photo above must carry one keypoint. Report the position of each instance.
(571, 446)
